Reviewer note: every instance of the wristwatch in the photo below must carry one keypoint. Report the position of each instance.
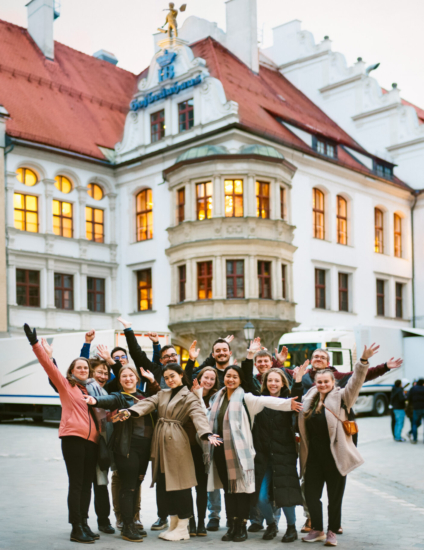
(364, 360)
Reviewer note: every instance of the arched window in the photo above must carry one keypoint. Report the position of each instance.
(379, 231)
(341, 220)
(26, 176)
(318, 214)
(398, 235)
(144, 203)
(62, 183)
(95, 191)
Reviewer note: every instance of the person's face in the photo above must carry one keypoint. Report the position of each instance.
(319, 360)
(208, 380)
(101, 375)
(169, 356)
(221, 353)
(232, 379)
(263, 364)
(81, 370)
(324, 383)
(128, 380)
(120, 356)
(172, 379)
(274, 384)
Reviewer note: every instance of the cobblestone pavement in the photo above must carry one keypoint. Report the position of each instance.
(383, 506)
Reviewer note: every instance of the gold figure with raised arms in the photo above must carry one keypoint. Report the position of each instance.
(171, 20)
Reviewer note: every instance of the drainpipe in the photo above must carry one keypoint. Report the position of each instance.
(416, 193)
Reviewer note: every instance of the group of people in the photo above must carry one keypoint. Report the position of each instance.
(214, 427)
(407, 403)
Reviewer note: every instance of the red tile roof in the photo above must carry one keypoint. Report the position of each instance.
(75, 102)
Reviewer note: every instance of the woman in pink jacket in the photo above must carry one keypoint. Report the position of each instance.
(79, 434)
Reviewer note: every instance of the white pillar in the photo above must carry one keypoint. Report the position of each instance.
(111, 223)
(218, 196)
(50, 284)
(82, 201)
(48, 206)
(250, 192)
(10, 190)
(11, 280)
(82, 288)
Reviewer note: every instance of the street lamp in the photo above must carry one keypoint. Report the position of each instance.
(249, 331)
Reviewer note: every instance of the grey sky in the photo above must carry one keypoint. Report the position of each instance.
(385, 31)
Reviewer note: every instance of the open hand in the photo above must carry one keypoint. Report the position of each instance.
(229, 338)
(121, 416)
(89, 336)
(89, 399)
(369, 352)
(300, 371)
(295, 406)
(48, 349)
(282, 356)
(195, 385)
(255, 346)
(193, 353)
(104, 354)
(215, 440)
(394, 363)
(147, 374)
(126, 324)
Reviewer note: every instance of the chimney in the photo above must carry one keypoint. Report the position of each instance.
(106, 56)
(41, 14)
(242, 31)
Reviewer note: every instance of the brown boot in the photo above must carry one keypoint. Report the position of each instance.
(116, 488)
(307, 527)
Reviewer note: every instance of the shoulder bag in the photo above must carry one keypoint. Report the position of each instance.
(350, 426)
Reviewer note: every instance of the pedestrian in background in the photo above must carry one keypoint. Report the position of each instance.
(416, 397)
(397, 401)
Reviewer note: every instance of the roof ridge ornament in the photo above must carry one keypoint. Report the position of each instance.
(171, 20)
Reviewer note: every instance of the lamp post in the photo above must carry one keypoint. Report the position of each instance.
(249, 331)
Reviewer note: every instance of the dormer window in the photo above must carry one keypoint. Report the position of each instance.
(383, 170)
(324, 147)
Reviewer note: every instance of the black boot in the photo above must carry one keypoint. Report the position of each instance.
(192, 527)
(240, 533)
(229, 535)
(201, 529)
(106, 527)
(130, 532)
(79, 535)
(290, 535)
(87, 530)
(271, 531)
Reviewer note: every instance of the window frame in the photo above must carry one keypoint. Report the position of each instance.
(320, 287)
(317, 141)
(91, 191)
(159, 134)
(27, 285)
(382, 297)
(25, 212)
(399, 299)
(58, 183)
(94, 293)
(94, 224)
(397, 236)
(148, 213)
(182, 280)
(61, 217)
(180, 205)
(24, 170)
(282, 202)
(284, 281)
(149, 288)
(207, 279)
(383, 169)
(188, 120)
(340, 220)
(317, 213)
(203, 202)
(378, 231)
(235, 198)
(264, 280)
(63, 289)
(343, 291)
(234, 278)
(262, 199)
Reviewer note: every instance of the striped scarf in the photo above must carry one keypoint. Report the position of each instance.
(239, 459)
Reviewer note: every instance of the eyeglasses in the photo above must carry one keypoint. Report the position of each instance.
(169, 356)
(118, 357)
(323, 357)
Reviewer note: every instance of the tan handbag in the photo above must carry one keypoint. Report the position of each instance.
(350, 426)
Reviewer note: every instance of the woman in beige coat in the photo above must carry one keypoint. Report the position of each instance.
(327, 453)
(172, 461)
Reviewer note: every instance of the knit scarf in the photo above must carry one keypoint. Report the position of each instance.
(240, 462)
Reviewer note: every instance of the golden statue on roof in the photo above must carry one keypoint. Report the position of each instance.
(171, 20)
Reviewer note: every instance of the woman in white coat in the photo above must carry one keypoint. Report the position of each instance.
(231, 415)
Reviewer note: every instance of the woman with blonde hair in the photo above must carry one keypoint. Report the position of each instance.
(327, 452)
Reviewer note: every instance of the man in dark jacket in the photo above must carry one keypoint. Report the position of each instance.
(416, 397)
(397, 401)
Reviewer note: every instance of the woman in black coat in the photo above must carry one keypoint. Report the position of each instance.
(276, 477)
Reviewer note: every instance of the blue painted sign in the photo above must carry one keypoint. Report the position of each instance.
(165, 62)
(176, 88)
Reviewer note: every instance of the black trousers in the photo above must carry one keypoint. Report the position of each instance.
(80, 457)
(173, 503)
(202, 482)
(320, 469)
(101, 502)
(130, 469)
(237, 504)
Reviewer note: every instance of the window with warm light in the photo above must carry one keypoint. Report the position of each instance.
(62, 219)
(144, 205)
(25, 212)
(94, 224)
(63, 184)
(233, 198)
(204, 200)
(144, 285)
(185, 115)
(204, 280)
(264, 279)
(318, 214)
(181, 204)
(341, 220)
(378, 231)
(183, 356)
(235, 279)
(26, 176)
(398, 235)
(262, 199)
(157, 126)
(95, 191)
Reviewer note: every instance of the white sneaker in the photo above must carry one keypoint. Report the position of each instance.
(180, 532)
(119, 525)
(172, 526)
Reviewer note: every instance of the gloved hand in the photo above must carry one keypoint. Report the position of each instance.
(31, 335)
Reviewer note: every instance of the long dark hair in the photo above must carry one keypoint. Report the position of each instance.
(178, 369)
(71, 380)
(215, 387)
(238, 370)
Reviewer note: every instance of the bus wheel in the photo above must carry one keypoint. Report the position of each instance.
(380, 404)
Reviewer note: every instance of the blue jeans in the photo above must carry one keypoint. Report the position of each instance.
(417, 417)
(399, 420)
(214, 504)
(267, 510)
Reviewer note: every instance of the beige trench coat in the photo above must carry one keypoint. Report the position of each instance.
(346, 455)
(170, 441)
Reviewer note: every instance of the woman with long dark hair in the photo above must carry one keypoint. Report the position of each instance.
(130, 442)
(231, 416)
(79, 433)
(327, 453)
(172, 460)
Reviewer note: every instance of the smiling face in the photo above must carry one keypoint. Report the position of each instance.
(169, 356)
(324, 382)
(120, 356)
(128, 380)
(274, 384)
(263, 363)
(320, 360)
(81, 370)
(232, 379)
(221, 353)
(208, 380)
(172, 379)
(101, 375)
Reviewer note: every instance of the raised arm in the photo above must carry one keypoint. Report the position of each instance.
(85, 350)
(354, 385)
(375, 372)
(257, 404)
